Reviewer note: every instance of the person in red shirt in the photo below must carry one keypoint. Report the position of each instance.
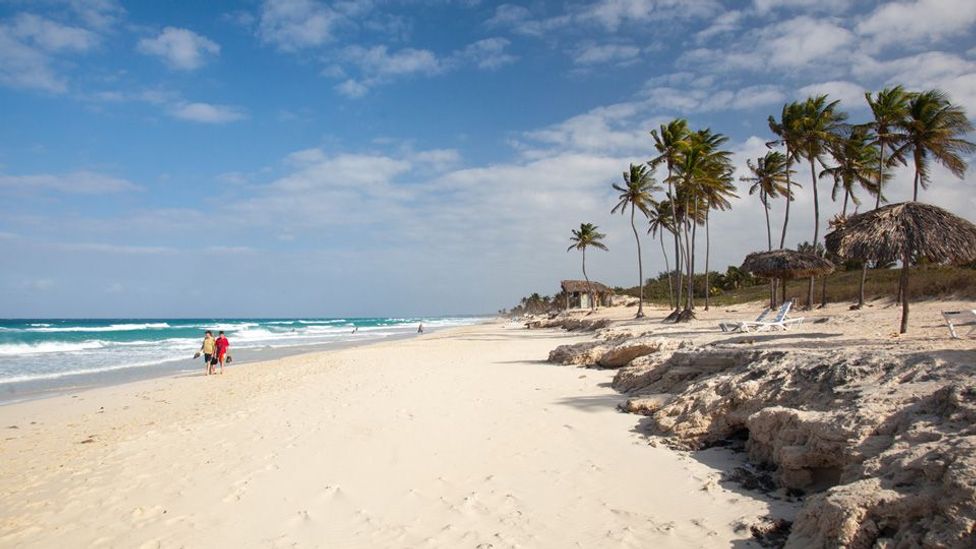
(221, 346)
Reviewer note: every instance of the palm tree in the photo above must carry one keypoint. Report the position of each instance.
(668, 144)
(699, 160)
(934, 127)
(769, 177)
(582, 239)
(785, 129)
(661, 220)
(716, 191)
(856, 157)
(636, 192)
(817, 128)
(889, 107)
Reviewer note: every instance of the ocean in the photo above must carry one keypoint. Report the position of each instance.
(39, 356)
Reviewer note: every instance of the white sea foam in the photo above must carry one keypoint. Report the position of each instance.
(15, 349)
(98, 370)
(109, 328)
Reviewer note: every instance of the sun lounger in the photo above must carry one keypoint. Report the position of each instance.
(781, 322)
(736, 326)
(957, 318)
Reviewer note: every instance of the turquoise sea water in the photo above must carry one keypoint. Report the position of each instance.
(63, 351)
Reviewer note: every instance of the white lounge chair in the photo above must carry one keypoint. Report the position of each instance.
(781, 322)
(959, 318)
(736, 326)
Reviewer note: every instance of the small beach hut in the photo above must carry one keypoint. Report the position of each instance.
(786, 264)
(901, 232)
(576, 294)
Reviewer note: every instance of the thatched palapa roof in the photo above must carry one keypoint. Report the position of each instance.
(882, 234)
(579, 286)
(786, 264)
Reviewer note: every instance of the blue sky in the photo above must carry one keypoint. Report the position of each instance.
(297, 157)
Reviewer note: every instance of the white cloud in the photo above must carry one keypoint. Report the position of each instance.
(829, 6)
(207, 113)
(352, 88)
(610, 15)
(28, 48)
(51, 36)
(918, 21)
(80, 182)
(488, 53)
(851, 95)
(798, 43)
(293, 25)
(122, 249)
(378, 61)
(179, 48)
(599, 54)
(934, 69)
(706, 99)
(724, 23)
(378, 64)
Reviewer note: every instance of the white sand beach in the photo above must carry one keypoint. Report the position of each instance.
(463, 438)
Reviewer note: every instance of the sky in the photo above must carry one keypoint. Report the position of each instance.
(302, 157)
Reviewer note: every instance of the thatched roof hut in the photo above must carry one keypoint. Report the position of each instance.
(579, 286)
(576, 293)
(902, 232)
(884, 235)
(784, 264)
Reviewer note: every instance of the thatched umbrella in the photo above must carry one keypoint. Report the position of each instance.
(786, 264)
(898, 232)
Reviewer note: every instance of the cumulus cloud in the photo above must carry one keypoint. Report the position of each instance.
(30, 45)
(851, 95)
(179, 48)
(292, 25)
(80, 182)
(918, 21)
(488, 53)
(379, 64)
(206, 113)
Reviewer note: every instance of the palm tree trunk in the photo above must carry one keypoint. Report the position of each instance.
(847, 193)
(769, 244)
(707, 244)
(667, 267)
(905, 262)
(587, 279)
(789, 195)
(640, 265)
(677, 246)
(877, 204)
(691, 263)
(688, 258)
(816, 227)
(917, 177)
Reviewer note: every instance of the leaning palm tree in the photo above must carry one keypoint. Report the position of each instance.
(817, 129)
(668, 144)
(636, 193)
(769, 176)
(661, 220)
(785, 130)
(889, 108)
(857, 165)
(587, 236)
(935, 127)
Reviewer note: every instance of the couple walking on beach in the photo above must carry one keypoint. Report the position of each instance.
(214, 351)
